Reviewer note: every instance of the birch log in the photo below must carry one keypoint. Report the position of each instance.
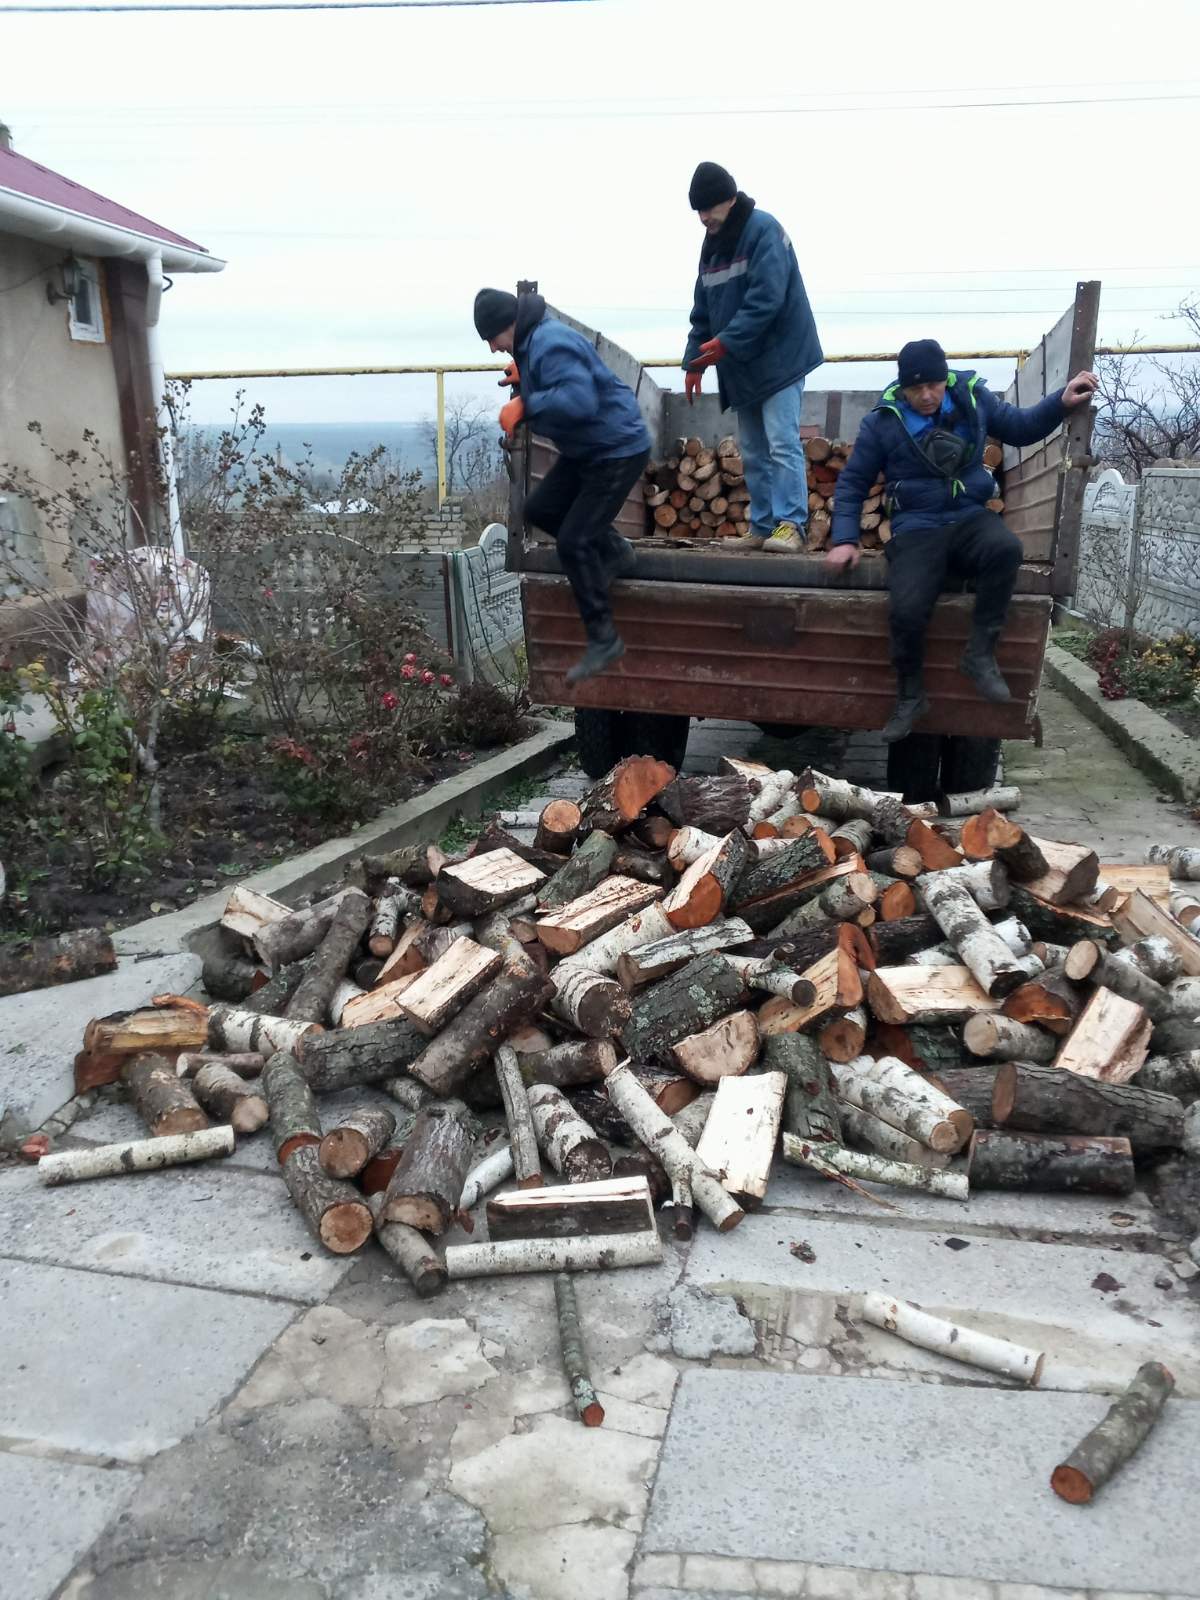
(1087, 959)
(603, 1251)
(1001, 798)
(880, 1136)
(893, 1072)
(885, 1101)
(522, 1137)
(826, 1158)
(595, 1005)
(1121, 1432)
(138, 1155)
(740, 1134)
(952, 1339)
(569, 1144)
(410, 1251)
(992, 1037)
(489, 1174)
(989, 959)
(570, 1339)
(232, 1029)
(643, 928)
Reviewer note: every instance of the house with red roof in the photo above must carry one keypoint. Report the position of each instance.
(81, 291)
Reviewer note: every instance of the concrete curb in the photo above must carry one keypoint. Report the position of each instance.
(415, 820)
(1148, 739)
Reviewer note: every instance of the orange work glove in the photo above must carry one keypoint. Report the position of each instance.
(692, 382)
(711, 351)
(512, 414)
(511, 379)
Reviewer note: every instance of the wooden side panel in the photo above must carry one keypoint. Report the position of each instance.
(777, 655)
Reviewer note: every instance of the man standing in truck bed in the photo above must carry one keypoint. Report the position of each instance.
(562, 389)
(752, 321)
(927, 437)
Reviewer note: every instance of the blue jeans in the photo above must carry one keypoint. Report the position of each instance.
(773, 454)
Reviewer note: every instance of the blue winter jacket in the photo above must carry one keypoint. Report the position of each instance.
(917, 495)
(751, 296)
(569, 394)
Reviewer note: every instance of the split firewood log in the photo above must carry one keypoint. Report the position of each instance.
(646, 963)
(782, 870)
(393, 905)
(1110, 1040)
(1042, 1099)
(571, 926)
(604, 1205)
(1050, 1162)
(904, 995)
(440, 991)
(1140, 917)
(893, 941)
(620, 797)
(345, 1150)
(684, 1003)
(163, 1100)
(835, 978)
(427, 1185)
(153, 1027)
(1059, 924)
(728, 1048)
(568, 1143)
(379, 1005)
(582, 873)
(701, 893)
(247, 912)
(1119, 1434)
(485, 883)
(603, 953)
(230, 1098)
(494, 837)
(741, 1132)
(1051, 1000)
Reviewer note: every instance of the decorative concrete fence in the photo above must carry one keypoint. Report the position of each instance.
(1139, 552)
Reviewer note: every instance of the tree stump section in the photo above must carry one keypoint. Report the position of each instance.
(42, 963)
(335, 1212)
(230, 1098)
(345, 1150)
(569, 1144)
(1126, 1425)
(1050, 1163)
(427, 1185)
(1041, 1099)
(294, 1118)
(163, 1100)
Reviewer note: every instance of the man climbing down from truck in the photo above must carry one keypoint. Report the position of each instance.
(563, 390)
(927, 437)
(752, 321)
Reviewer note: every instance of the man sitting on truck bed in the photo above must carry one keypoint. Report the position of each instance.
(562, 389)
(927, 437)
(751, 320)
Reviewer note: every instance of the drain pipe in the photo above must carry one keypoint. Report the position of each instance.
(158, 395)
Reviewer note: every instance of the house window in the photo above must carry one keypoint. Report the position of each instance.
(86, 314)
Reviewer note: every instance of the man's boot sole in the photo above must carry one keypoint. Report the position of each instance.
(904, 731)
(576, 676)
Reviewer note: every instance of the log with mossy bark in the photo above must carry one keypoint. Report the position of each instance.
(686, 1002)
(581, 873)
(810, 1106)
(1040, 1099)
(441, 990)
(780, 871)
(1088, 960)
(1059, 924)
(1050, 1162)
(924, 1046)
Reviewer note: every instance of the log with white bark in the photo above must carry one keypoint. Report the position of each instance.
(440, 991)
(880, 1136)
(1182, 860)
(1001, 798)
(426, 1188)
(941, 955)
(164, 1101)
(232, 1029)
(601, 1251)
(646, 963)
(914, 1087)
(521, 1134)
(574, 925)
(297, 934)
(247, 912)
(727, 1049)
(246, 1063)
(810, 1106)
(690, 1119)
(688, 845)
(1015, 935)
(355, 1139)
(136, 1155)
(447, 1061)
(830, 1159)
(1184, 995)
(495, 1169)
(1050, 1162)
(1140, 917)
(985, 881)
(782, 871)
(741, 1132)
(1185, 908)
(566, 1140)
(953, 1339)
(989, 959)
(644, 927)
(659, 1134)
(773, 977)
(394, 905)
(410, 1251)
(992, 1037)
(1110, 1040)
(772, 791)
(486, 882)
(230, 1098)
(701, 893)
(852, 838)
(1040, 1099)
(593, 1004)
(572, 1210)
(295, 1121)
(925, 994)
(1154, 956)
(890, 1104)
(1116, 1437)
(1177, 1075)
(344, 994)
(334, 1210)
(835, 797)
(1088, 960)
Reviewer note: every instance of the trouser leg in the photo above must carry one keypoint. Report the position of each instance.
(789, 471)
(756, 462)
(984, 549)
(916, 571)
(585, 535)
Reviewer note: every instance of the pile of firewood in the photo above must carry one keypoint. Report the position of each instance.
(697, 493)
(679, 978)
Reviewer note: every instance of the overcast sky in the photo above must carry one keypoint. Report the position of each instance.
(942, 170)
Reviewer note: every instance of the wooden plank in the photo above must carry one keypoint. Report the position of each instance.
(740, 1135)
(570, 927)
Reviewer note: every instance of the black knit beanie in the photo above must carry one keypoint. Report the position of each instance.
(495, 310)
(711, 185)
(922, 361)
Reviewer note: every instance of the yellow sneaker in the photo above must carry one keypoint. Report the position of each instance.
(786, 540)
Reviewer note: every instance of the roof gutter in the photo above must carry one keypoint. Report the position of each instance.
(51, 224)
(158, 394)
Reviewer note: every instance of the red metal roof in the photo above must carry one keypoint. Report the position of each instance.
(39, 183)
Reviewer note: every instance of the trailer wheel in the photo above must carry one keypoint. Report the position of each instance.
(913, 765)
(599, 737)
(969, 762)
(655, 733)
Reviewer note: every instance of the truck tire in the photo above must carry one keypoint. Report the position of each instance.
(657, 734)
(968, 762)
(599, 738)
(914, 765)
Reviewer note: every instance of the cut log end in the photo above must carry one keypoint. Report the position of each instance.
(345, 1228)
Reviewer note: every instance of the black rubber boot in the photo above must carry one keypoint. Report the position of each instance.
(911, 705)
(979, 664)
(620, 559)
(600, 653)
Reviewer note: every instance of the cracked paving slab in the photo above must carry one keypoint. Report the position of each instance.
(50, 1511)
